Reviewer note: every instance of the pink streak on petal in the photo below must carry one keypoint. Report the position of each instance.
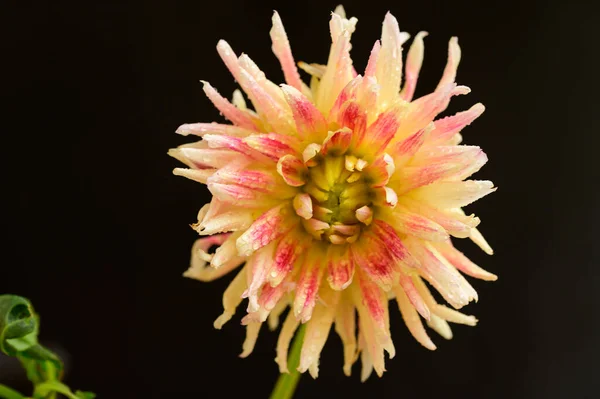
(464, 264)
(287, 252)
(272, 145)
(392, 243)
(340, 268)
(303, 206)
(200, 129)
(308, 282)
(337, 143)
(281, 49)
(408, 287)
(309, 121)
(403, 150)
(270, 226)
(446, 128)
(237, 116)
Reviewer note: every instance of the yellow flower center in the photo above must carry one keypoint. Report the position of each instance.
(338, 188)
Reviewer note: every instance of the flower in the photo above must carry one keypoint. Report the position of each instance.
(336, 198)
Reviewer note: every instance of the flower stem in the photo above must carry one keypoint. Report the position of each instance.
(9, 393)
(287, 382)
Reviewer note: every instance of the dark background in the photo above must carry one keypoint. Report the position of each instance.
(95, 226)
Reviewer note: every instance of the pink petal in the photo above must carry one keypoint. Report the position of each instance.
(270, 226)
(307, 286)
(372, 64)
(239, 117)
(309, 121)
(390, 240)
(380, 171)
(381, 132)
(348, 93)
(337, 143)
(414, 61)
(204, 158)
(418, 226)
(272, 145)
(372, 257)
(408, 288)
(288, 250)
(462, 263)
(452, 64)
(448, 127)
(258, 267)
(303, 205)
(412, 320)
(292, 170)
(257, 180)
(200, 129)
(281, 49)
(340, 267)
(455, 223)
(404, 150)
(236, 144)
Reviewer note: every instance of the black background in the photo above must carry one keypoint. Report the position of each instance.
(95, 226)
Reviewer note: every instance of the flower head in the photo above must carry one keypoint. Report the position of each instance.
(335, 198)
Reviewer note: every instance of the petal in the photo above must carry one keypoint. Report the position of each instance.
(293, 170)
(348, 93)
(309, 121)
(414, 61)
(441, 274)
(372, 257)
(204, 158)
(256, 180)
(404, 150)
(454, 194)
(283, 52)
(454, 222)
(226, 221)
(380, 132)
(199, 175)
(200, 258)
(442, 311)
(412, 320)
(452, 65)
(317, 330)
(233, 143)
(287, 252)
(390, 240)
(416, 225)
(440, 326)
(303, 205)
(408, 288)
(258, 267)
(252, 330)
(372, 305)
(308, 283)
(226, 252)
(237, 116)
(340, 267)
(272, 145)
(270, 226)
(478, 239)
(283, 342)
(200, 129)
(337, 143)
(273, 318)
(345, 326)
(372, 64)
(232, 298)
(380, 171)
(389, 62)
(448, 127)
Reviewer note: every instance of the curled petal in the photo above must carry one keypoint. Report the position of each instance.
(381, 170)
(270, 226)
(303, 206)
(365, 215)
(200, 259)
(292, 170)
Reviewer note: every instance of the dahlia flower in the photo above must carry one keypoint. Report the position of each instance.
(336, 198)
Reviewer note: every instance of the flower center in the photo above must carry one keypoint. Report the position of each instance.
(340, 198)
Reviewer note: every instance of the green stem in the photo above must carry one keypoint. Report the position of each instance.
(9, 393)
(287, 382)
